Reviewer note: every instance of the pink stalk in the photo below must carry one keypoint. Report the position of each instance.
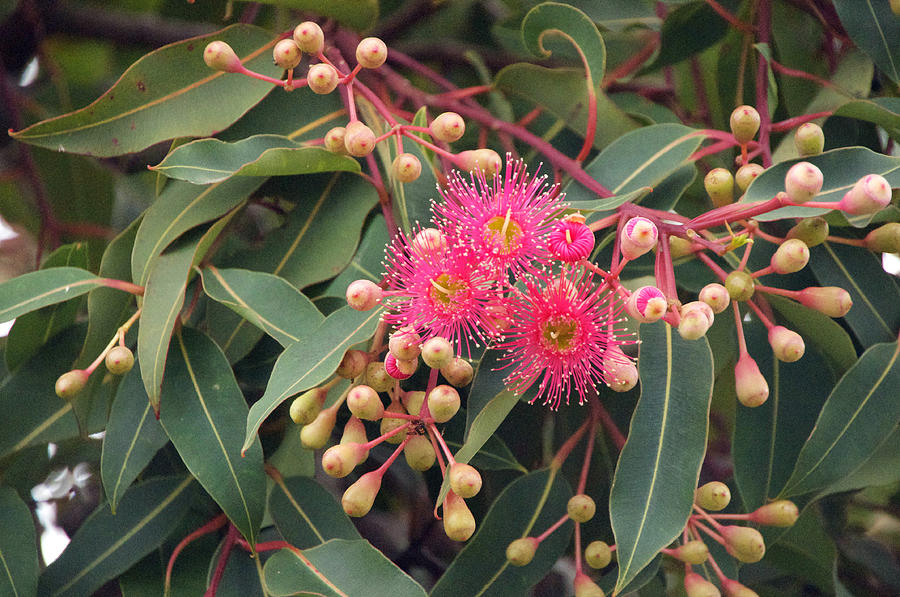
(739, 328)
(792, 123)
(764, 28)
(552, 528)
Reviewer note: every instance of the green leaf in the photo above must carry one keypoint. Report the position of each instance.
(806, 551)
(493, 455)
(883, 111)
(688, 30)
(266, 301)
(608, 203)
(108, 544)
(356, 14)
(366, 263)
(875, 314)
(551, 19)
(211, 160)
(133, 436)
(653, 488)
(526, 507)
(18, 546)
(311, 361)
(880, 469)
(168, 93)
(860, 413)
(841, 167)
(307, 515)
(338, 568)
(875, 28)
(34, 290)
(203, 412)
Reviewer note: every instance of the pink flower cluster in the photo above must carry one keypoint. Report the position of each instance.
(503, 266)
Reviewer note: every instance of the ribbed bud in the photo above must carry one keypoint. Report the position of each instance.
(809, 139)
(751, 386)
(870, 194)
(521, 551)
(309, 37)
(353, 364)
(443, 403)
(359, 497)
(371, 52)
(884, 239)
(307, 406)
(437, 352)
(70, 383)
(359, 140)
(377, 377)
(787, 345)
(739, 285)
(400, 368)
(388, 424)
(803, 182)
(286, 54)
(465, 480)
(315, 435)
(712, 496)
(448, 127)
(429, 241)
(419, 453)
(322, 79)
(696, 319)
(334, 140)
(355, 433)
(744, 123)
(716, 296)
(364, 295)
(811, 231)
(340, 460)
(458, 372)
(719, 184)
(219, 55)
(697, 586)
(747, 174)
(638, 236)
(581, 507)
(621, 372)
(746, 544)
(484, 161)
(119, 360)
(364, 402)
(459, 524)
(733, 588)
(692, 552)
(597, 554)
(792, 256)
(585, 587)
(780, 513)
(647, 304)
(406, 167)
(413, 402)
(833, 301)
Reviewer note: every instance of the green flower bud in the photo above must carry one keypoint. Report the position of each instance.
(309, 37)
(692, 552)
(419, 453)
(744, 543)
(733, 588)
(458, 372)
(334, 140)
(833, 301)
(315, 435)
(219, 55)
(359, 139)
(712, 496)
(119, 360)
(803, 181)
(697, 586)
(585, 587)
(792, 256)
(787, 345)
(739, 285)
(388, 424)
(884, 239)
(465, 480)
(443, 403)
(353, 364)
(448, 127)
(371, 52)
(355, 433)
(286, 54)
(406, 167)
(338, 461)
(322, 80)
(597, 554)
(680, 247)
(750, 384)
(716, 296)
(744, 123)
(521, 551)
(364, 402)
(306, 407)
(747, 174)
(780, 513)
(459, 524)
(809, 139)
(413, 401)
(70, 383)
(437, 352)
(581, 507)
(359, 497)
(811, 231)
(377, 377)
(719, 184)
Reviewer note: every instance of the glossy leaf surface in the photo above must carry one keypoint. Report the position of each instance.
(18, 546)
(875, 28)
(45, 287)
(307, 515)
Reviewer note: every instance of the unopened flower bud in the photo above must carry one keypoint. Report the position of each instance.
(780, 513)
(884, 239)
(429, 241)
(465, 479)
(307, 406)
(364, 402)
(377, 377)
(388, 424)
(719, 184)
(458, 372)
(219, 55)
(521, 551)
(570, 240)
(419, 453)
(752, 388)
(833, 301)
(696, 319)
(334, 140)
(404, 343)
(811, 231)
(437, 352)
(353, 364)
(480, 161)
(322, 79)
(739, 285)
(803, 182)
(585, 587)
(355, 433)
(459, 524)
(119, 360)
(448, 127)
(716, 296)
(697, 586)
(647, 304)
(680, 247)
(733, 588)
(621, 372)
(747, 174)
(338, 461)
(413, 402)
(70, 383)
(315, 435)
(359, 497)
(597, 554)
(787, 344)
(809, 139)
(792, 256)
(406, 167)
(712, 496)
(309, 37)
(286, 54)
(746, 544)
(870, 194)
(443, 403)
(638, 236)
(359, 139)
(371, 52)
(744, 123)
(581, 507)
(363, 295)
(692, 552)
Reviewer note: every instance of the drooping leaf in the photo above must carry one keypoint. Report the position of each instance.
(653, 488)
(18, 546)
(875, 28)
(203, 412)
(860, 414)
(108, 544)
(307, 515)
(309, 362)
(210, 160)
(168, 93)
(34, 290)
(526, 507)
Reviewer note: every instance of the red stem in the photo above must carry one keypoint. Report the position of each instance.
(213, 525)
(552, 528)
(612, 430)
(739, 328)
(227, 546)
(733, 20)
(791, 123)
(764, 28)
